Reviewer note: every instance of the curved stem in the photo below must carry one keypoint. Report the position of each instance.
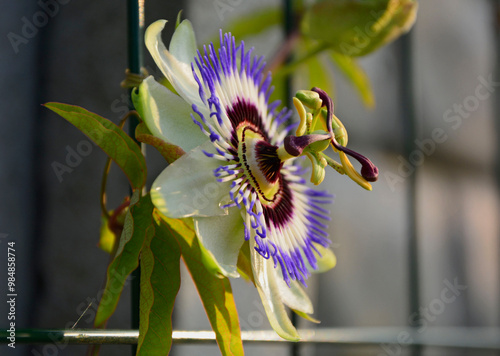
(107, 167)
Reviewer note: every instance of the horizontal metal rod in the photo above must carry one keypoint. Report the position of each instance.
(473, 338)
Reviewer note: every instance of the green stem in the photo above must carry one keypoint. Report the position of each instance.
(107, 167)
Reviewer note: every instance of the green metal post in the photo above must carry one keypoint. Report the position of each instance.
(135, 25)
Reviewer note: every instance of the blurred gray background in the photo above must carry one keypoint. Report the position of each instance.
(77, 55)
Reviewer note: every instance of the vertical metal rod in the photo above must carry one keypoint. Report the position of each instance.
(288, 28)
(135, 25)
(409, 136)
(496, 109)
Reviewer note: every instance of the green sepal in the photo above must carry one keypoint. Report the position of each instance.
(120, 147)
(179, 19)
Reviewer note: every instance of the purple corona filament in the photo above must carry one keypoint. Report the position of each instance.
(284, 217)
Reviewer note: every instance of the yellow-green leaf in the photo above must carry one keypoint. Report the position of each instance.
(215, 293)
(160, 282)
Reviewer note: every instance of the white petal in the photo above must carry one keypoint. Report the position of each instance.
(188, 187)
(266, 283)
(177, 70)
(222, 237)
(167, 115)
(294, 296)
(183, 43)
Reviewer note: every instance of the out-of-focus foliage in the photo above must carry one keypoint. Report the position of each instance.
(332, 32)
(357, 28)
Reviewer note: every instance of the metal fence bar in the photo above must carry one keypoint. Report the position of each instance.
(496, 112)
(288, 28)
(468, 338)
(135, 30)
(407, 101)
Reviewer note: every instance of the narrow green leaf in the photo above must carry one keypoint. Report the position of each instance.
(356, 75)
(114, 141)
(126, 259)
(169, 151)
(215, 293)
(160, 282)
